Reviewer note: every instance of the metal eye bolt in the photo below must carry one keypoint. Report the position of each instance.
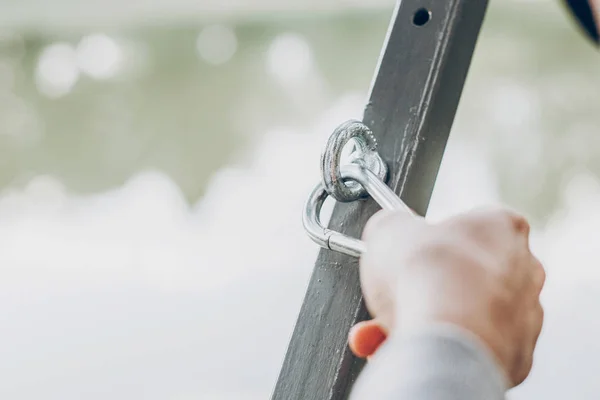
(365, 153)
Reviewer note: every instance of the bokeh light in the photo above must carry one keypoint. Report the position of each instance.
(289, 58)
(57, 70)
(99, 56)
(216, 44)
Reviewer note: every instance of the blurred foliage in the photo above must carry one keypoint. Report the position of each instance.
(178, 114)
(531, 101)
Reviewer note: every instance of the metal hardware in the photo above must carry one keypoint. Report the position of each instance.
(365, 152)
(411, 106)
(336, 241)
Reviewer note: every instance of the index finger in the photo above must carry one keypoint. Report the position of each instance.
(391, 220)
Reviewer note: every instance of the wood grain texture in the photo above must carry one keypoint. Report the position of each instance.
(412, 104)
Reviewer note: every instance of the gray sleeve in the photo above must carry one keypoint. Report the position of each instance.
(442, 363)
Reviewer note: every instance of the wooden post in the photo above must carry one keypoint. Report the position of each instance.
(411, 108)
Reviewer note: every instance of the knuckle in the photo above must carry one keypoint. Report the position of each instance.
(520, 223)
(515, 220)
(510, 216)
(391, 224)
(492, 218)
(542, 274)
(539, 273)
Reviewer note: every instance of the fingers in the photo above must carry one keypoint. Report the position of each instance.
(538, 276)
(388, 236)
(365, 338)
(484, 219)
(390, 220)
(375, 222)
(524, 363)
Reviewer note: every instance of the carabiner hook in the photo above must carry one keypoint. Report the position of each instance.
(379, 191)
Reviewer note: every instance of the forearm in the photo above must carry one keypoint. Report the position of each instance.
(441, 363)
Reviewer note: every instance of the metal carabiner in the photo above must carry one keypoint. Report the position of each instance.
(332, 240)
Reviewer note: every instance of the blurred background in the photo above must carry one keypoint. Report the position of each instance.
(155, 157)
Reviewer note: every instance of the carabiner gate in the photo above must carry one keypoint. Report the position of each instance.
(329, 239)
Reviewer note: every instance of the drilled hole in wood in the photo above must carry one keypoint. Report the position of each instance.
(421, 17)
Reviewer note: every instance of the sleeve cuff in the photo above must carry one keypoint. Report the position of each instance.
(439, 362)
(463, 341)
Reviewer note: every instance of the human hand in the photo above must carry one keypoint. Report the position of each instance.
(474, 271)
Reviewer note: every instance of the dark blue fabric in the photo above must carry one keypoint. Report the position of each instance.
(583, 12)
